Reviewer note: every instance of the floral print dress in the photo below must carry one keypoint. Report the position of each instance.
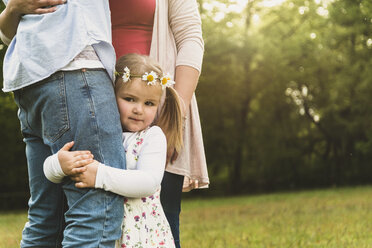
(144, 224)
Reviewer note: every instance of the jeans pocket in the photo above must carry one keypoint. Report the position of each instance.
(55, 119)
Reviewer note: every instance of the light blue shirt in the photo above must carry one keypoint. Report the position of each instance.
(46, 43)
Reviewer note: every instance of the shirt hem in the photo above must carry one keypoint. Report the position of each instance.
(202, 180)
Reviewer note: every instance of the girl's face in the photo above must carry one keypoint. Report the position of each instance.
(138, 104)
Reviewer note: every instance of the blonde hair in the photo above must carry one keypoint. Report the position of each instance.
(169, 118)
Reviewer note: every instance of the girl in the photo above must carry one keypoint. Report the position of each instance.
(139, 91)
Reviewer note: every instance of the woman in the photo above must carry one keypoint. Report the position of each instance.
(170, 32)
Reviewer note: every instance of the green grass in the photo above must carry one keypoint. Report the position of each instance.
(323, 218)
(11, 225)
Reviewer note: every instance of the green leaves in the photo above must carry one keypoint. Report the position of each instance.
(272, 140)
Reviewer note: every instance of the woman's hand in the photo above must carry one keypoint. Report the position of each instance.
(73, 162)
(87, 179)
(22, 7)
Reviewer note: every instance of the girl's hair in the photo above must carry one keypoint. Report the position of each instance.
(169, 118)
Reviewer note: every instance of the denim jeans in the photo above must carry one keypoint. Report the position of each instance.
(80, 106)
(170, 197)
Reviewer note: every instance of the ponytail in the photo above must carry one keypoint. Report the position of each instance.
(170, 119)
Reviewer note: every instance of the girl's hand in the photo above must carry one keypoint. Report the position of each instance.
(73, 162)
(22, 7)
(87, 179)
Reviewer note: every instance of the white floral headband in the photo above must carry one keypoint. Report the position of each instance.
(150, 78)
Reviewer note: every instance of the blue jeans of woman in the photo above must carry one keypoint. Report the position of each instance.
(80, 106)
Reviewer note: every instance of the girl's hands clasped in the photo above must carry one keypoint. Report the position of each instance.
(87, 179)
(73, 162)
(78, 165)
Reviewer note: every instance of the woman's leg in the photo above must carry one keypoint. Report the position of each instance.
(170, 196)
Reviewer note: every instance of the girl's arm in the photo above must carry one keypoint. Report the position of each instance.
(12, 14)
(66, 163)
(142, 182)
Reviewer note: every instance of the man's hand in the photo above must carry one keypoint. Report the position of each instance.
(15, 9)
(74, 162)
(22, 7)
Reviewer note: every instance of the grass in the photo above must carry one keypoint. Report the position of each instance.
(11, 225)
(322, 218)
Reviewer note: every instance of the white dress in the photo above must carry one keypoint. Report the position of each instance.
(144, 224)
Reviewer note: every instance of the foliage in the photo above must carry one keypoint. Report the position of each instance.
(13, 170)
(289, 105)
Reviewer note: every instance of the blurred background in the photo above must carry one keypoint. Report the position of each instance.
(285, 99)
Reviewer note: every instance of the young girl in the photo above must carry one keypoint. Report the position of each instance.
(139, 90)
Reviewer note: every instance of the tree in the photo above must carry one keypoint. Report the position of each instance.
(289, 102)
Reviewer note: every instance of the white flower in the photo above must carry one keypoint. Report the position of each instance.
(166, 81)
(126, 74)
(150, 78)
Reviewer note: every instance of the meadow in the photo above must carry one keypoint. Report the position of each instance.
(332, 218)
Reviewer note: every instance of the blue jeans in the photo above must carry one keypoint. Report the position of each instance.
(72, 105)
(170, 197)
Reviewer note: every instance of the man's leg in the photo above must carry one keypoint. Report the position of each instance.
(80, 106)
(94, 216)
(45, 216)
(170, 196)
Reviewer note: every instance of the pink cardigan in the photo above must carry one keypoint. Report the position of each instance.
(177, 40)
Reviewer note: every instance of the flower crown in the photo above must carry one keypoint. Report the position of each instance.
(150, 78)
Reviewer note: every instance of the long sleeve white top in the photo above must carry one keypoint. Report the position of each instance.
(145, 166)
